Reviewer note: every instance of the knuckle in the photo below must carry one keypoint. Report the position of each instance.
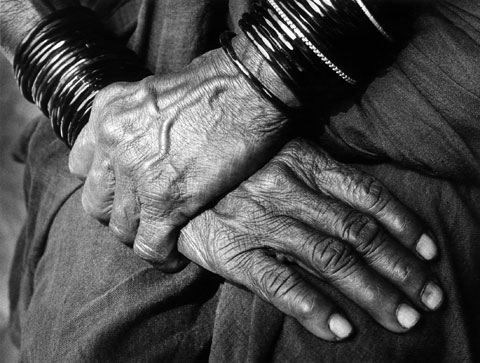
(405, 223)
(274, 285)
(274, 178)
(334, 258)
(292, 155)
(110, 117)
(267, 281)
(402, 271)
(363, 231)
(107, 127)
(112, 129)
(298, 149)
(371, 193)
(305, 161)
(277, 175)
(159, 256)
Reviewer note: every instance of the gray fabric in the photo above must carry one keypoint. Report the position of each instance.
(80, 296)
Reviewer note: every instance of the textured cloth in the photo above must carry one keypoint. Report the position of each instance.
(77, 295)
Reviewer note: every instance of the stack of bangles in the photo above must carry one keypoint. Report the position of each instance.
(65, 61)
(320, 49)
(316, 47)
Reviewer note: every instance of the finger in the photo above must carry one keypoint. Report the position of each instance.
(387, 257)
(284, 288)
(362, 192)
(378, 248)
(125, 214)
(337, 263)
(98, 191)
(368, 195)
(391, 259)
(82, 154)
(156, 242)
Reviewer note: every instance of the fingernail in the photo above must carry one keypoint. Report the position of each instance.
(432, 296)
(340, 326)
(426, 247)
(407, 316)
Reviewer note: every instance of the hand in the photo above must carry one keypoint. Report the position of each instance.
(331, 220)
(156, 152)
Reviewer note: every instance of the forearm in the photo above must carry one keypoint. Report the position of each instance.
(18, 17)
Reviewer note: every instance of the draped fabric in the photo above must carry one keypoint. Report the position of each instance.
(77, 295)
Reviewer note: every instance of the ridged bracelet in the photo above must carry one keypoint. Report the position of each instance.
(319, 47)
(65, 61)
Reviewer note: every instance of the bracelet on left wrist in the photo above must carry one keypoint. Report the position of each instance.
(64, 61)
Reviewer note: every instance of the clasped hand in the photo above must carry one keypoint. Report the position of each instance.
(159, 153)
(306, 209)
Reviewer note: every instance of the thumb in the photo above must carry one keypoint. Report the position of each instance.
(156, 243)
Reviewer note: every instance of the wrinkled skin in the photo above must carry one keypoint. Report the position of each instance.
(157, 152)
(341, 225)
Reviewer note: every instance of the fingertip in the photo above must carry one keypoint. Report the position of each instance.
(335, 329)
(426, 247)
(407, 316)
(432, 296)
(340, 326)
(321, 320)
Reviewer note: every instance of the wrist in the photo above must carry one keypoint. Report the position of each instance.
(236, 95)
(259, 67)
(252, 59)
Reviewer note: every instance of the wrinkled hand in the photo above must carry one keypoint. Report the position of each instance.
(335, 222)
(156, 152)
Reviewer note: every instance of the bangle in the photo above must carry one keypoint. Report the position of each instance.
(320, 47)
(225, 42)
(295, 24)
(65, 61)
(374, 21)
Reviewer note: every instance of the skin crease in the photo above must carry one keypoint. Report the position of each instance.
(151, 170)
(173, 186)
(285, 207)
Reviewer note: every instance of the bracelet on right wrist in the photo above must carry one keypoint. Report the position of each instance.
(266, 93)
(320, 49)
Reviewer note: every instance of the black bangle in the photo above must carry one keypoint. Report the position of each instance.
(272, 53)
(65, 61)
(320, 47)
(225, 42)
